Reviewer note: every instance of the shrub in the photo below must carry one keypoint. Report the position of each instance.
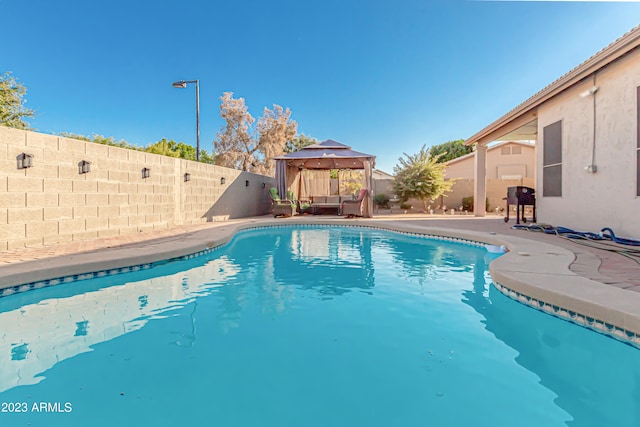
(421, 177)
(381, 200)
(467, 204)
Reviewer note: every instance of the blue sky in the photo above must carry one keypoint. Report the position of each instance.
(385, 77)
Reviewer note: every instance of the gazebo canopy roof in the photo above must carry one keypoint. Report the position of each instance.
(328, 154)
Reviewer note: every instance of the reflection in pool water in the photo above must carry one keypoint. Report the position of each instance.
(314, 327)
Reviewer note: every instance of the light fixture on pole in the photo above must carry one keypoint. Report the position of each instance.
(181, 84)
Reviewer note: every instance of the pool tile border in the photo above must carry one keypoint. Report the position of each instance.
(596, 325)
(100, 273)
(71, 278)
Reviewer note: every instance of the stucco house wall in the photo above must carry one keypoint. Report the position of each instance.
(52, 202)
(607, 198)
(503, 171)
(382, 183)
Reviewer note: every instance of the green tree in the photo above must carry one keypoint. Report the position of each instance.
(181, 150)
(104, 140)
(75, 136)
(239, 146)
(12, 108)
(207, 158)
(420, 176)
(299, 142)
(450, 150)
(164, 148)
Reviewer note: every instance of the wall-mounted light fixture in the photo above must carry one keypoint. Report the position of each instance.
(264, 185)
(146, 173)
(588, 92)
(84, 167)
(187, 177)
(25, 160)
(246, 183)
(222, 180)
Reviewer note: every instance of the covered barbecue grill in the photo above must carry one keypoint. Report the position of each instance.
(521, 197)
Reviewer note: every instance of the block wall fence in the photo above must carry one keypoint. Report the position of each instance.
(52, 202)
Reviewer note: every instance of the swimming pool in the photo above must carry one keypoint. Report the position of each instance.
(310, 326)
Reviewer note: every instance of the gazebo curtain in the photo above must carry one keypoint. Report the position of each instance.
(314, 183)
(281, 178)
(368, 179)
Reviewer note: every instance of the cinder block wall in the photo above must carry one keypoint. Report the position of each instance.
(52, 202)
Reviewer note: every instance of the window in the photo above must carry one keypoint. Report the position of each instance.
(552, 160)
(638, 141)
(516, 149)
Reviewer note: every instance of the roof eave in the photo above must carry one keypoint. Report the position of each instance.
(624, 45)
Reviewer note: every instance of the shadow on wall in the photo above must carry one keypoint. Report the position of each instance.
(246, 195)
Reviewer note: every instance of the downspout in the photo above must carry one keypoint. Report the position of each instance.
(592, 168)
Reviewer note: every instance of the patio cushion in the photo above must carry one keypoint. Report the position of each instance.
(333, 199)
(281, 207)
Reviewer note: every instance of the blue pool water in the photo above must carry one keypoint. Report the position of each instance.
(307, 327)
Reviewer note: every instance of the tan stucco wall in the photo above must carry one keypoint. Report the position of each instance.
(463, 170)
(383, 186)
(496, 191)
(607, 198)
(51, 202)
(497, 165)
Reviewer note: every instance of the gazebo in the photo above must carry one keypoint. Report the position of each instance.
(317, 160)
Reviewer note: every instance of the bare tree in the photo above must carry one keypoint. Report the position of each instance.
(275, 129)
(234, 143)
(238, 146)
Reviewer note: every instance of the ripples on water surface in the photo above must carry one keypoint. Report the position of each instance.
(308, 327)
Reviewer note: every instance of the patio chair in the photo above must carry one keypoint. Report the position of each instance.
(302, 205)
(281, 207)
(351, 208)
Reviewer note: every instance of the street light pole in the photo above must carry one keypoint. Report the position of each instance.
(197, 121)
(181, 84)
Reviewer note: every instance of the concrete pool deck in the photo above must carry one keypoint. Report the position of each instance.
(589, 286)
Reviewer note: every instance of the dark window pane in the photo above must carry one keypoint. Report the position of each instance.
(552, 181)
(638, 116)
(552, 144)
(637, 172)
